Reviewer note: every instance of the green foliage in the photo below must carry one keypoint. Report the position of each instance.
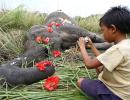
(90, 23)
(11, 44)
(20, 19)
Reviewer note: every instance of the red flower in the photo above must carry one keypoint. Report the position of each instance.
(57, 24)
(50, 25)
(38, 39)
(56, 53)
(46, 40)
(43, 64)
(50, 29)
(51, 83)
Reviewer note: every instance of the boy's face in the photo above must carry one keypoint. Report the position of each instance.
(107, 33)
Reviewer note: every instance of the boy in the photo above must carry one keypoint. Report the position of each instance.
(113, 81)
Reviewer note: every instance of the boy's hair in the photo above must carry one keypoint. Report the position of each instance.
(118, 16)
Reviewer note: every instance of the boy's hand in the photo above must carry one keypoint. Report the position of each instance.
(89, 43)
(81, 42)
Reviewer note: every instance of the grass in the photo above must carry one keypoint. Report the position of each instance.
(11, 44)
(20, 18)
(90, 23)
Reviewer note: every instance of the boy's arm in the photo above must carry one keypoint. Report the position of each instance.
(90, 63)
(94, 49)
(90, 44)
(97, 53)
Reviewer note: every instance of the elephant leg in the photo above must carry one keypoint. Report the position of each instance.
(18, 76)
(28, 56)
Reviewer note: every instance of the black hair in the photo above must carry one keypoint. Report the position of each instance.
(118, 16)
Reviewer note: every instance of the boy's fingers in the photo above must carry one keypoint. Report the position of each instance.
(78, 42)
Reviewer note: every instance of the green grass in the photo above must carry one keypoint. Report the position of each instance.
(11, 44)
(20, 18)
(90, 23)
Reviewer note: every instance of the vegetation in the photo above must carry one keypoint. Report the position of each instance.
(90, 23)
(20, 18)
(13, 28)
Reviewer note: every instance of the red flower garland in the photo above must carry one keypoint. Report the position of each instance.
(51, 83)
(43, 64)
(56, 53)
